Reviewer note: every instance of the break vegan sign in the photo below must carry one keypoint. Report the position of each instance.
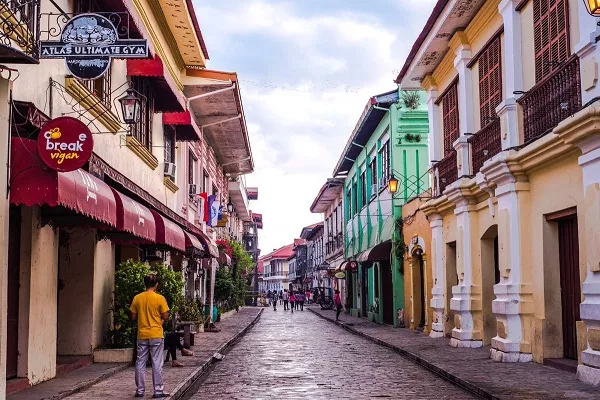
(65, 144)
(88, 42)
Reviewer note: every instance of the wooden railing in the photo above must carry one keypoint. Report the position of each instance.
(446, 172)
(485, 144)
(553, 99)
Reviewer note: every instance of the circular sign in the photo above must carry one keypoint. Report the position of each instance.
(65, 144)
(340, 275)
(88, 35)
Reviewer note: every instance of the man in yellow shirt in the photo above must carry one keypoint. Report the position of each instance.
(150, 309)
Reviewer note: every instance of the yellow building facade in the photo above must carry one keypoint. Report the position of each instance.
(514, 149)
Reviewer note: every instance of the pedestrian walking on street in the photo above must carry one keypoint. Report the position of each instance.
(307, 296)
(300, 300)
(274, 301)
(292, 300)
(337, 300)
(286, 300)
(280, 297)
(270, 296)
(150, 310)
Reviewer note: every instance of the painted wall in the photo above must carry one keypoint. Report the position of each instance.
(104, 278)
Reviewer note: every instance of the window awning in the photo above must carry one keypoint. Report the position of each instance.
(224, 258)
(351, 266)
(168, 233)
(32, 183)
(169, 98)
(209, 244)
(185, 126)
(134, 218)
(380, 252)
(192, 241)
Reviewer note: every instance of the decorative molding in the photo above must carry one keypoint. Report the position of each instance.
(142, 152)
(483, 19)
(458, 39)
(428, 82)
(170, 184)
(167, 33)
(445, 67)
(92, 104)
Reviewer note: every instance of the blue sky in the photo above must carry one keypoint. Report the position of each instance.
(306, 70)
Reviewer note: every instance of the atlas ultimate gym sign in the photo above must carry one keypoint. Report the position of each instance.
(88, 42)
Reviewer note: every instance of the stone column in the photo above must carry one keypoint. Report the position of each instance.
(513, 305)
(589, 368)
(466, 296)
(465, 82)
(513, 73)
(213, 274)
(463, 156)
(438, 300)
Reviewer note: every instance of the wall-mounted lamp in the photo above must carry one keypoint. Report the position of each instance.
(130, 107)
(393, 184)
(230, 207)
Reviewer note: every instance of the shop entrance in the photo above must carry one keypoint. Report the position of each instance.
(490, 275)
(569, 283)
(365, 290)
(12, 325)
(387, 292)
(418, 290)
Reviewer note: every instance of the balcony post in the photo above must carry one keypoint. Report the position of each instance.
(438, 292)
(463, 156)
(465, 82)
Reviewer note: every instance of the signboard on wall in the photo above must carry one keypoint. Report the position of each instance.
(88, 42)
(65, 144)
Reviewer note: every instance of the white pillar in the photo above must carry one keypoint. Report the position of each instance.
(435, 126)
(465, 88)
(213, 275)
(5, 88)
(589, 369)
(438, 300)
(463, 156)
(589, 54)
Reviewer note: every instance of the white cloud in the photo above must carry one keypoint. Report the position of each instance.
(306, 72)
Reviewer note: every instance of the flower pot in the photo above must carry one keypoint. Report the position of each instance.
(113, 355)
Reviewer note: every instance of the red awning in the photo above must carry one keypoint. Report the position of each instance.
(168, 232)
(184, 124)
(192, 241)
(224, 258)
(32, 183)
(351, 266)
(209, 244)
(134, 218)
(169, 98)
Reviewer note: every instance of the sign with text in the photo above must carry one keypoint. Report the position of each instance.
(88, 42)
(65, 144)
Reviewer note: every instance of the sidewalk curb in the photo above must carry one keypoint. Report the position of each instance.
(189, 381)
(479, 391)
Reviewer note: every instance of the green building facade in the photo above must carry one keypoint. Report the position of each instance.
(389, 140)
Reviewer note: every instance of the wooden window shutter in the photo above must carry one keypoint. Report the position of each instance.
(450, 117)
(490, 81)
(551, 35)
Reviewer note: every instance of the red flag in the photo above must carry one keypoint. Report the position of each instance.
(205, 210)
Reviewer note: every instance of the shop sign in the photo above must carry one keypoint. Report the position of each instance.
(65, 144)
(340, 275)
(88, 42)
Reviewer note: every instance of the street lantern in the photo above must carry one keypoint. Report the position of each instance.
(393, 184)
(593, 7)
(130, 107)
(230, 207)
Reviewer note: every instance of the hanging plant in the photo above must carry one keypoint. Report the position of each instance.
(398, 245)
(409, 137)
(411, 99)
(417, 138)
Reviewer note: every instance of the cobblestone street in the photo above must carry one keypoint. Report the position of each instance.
(300, 355)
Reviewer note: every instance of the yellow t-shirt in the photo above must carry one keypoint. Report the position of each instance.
(149, 306)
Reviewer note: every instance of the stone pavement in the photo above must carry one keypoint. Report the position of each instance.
(120, 385)
(300, 356)
(470, 368)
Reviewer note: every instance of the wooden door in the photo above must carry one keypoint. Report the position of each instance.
(387, 292)
(14, 249)
(421, 293)
(365, 291)
(569, 283)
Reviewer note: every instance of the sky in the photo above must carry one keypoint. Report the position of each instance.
(306, 70)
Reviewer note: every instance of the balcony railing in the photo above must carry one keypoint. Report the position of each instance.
(446, 172)
(19, 31)
(485, 144)
(553, 99)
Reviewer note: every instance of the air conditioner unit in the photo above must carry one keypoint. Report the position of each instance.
(170, 169)
(194, 189)
(374, 189)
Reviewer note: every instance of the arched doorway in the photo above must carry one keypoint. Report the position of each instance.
(418, 285)
(490, 276)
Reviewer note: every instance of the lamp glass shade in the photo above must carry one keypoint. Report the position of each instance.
(393, 185)
(230, 207)
(130, 107)
(593, 7)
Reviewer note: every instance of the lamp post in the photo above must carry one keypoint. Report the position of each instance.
(130, 107)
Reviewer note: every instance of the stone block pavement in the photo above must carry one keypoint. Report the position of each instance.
(110, 381)
(470, 368)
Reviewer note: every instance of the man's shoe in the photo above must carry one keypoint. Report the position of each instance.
(139, 395)
(160, 395)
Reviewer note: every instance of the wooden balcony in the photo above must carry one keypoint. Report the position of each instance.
(553, 99)
(446, 172)
(19, 31)
(485, 144)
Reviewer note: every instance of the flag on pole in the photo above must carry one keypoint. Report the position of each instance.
(203, 209)
(214, 210)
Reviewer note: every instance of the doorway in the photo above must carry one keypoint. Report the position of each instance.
(570, 285)
(490, 276)
(451, 281)
(12, 322)
(364, 290)
(387, 292)
(418, 290)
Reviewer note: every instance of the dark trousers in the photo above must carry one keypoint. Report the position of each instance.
(302, 306)
(292, 304)
(172, 343)
(285, 305)
(338, 310)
